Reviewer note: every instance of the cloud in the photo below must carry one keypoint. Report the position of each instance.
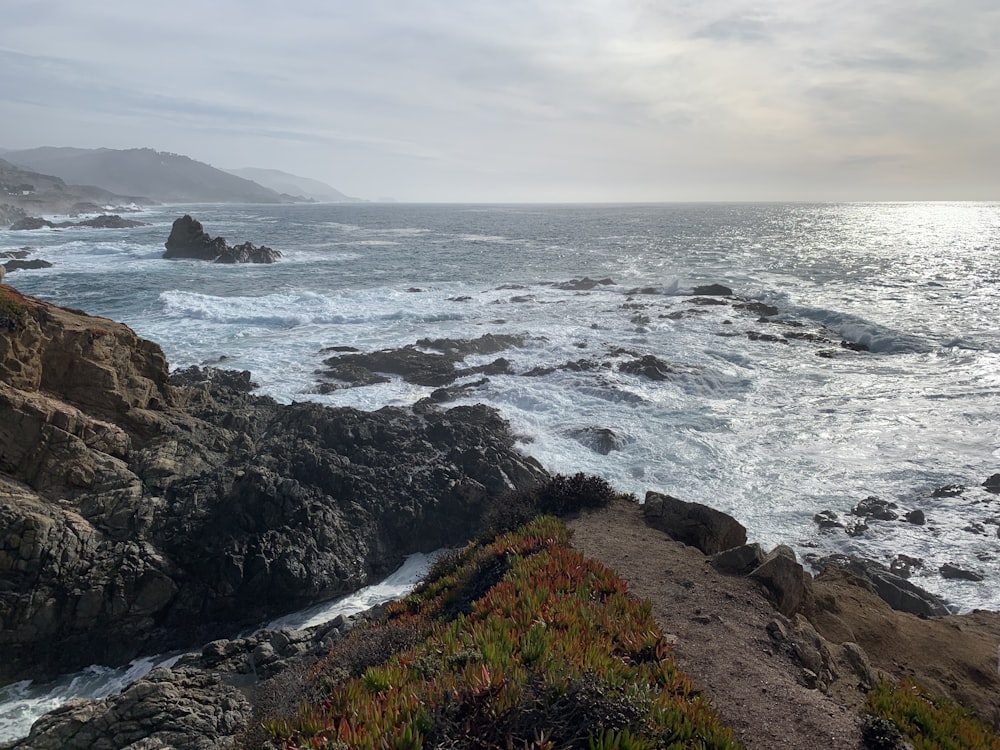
(447, 100)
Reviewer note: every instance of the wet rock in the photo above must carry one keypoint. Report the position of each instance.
(694, 524)
(187, 709)
(951, 490)
(584, 284)
(650, 367)
(30, 223)
(757, 308)
(26, 265)
(992, 484)
(766, 337)
(599, 439)
(827, 519)
(579, 365)
(903, 565)
(707, 301)
(111, 221)
(873, 507)
(856, 526)
(854, 346)
(916, 517)
(954, 572)
(712, 290)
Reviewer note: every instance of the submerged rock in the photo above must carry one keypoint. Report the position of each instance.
(712, 290)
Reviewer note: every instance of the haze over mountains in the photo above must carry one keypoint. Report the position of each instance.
(290, 184)
(166, 177)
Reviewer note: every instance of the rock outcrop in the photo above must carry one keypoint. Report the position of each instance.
(188, 239)
(104, 221)
(694, 524)
(139, 513)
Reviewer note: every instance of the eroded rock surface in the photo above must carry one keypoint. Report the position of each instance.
(139, 513)
(188, 239)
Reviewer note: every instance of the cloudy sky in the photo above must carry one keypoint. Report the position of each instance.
(551, 100)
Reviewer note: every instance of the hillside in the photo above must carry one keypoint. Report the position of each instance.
(161, 176)
(284, 182)
(24, 192)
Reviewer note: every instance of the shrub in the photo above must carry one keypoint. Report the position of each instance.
(560, 495)
(926, 721)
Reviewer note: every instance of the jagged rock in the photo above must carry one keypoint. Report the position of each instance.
(650, 367)
(956, 573)
(757, 308)
(599, 439)
(111, 221)
(712, 290)
(873, 507)
(26, 265)
(738, 561)
(827, 519)
(188, 239)
(583, 285)
(693, 524)
(951, 490)
(183, 709)
(419, 367)
(894, 590)
(992, 484)
(137, 514)
(903, 565)
(30, 223)
(784, 577)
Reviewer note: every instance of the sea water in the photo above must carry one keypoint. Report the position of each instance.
(755, 419)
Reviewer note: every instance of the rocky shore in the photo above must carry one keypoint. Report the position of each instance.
(142, 511)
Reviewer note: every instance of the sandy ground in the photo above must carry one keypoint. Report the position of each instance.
(721, 628)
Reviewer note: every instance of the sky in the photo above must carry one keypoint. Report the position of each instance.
(514, 101)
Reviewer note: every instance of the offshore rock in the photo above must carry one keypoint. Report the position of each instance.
(188, 239)
(139, 513)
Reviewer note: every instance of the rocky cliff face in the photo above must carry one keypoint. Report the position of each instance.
(139, 513)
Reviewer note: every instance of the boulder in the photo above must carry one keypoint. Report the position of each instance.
(693, 524)
(111, 221)
(712, 290)
(601, 440)
(956, 573)
(873, 507)
(738, 561)
(784, 577)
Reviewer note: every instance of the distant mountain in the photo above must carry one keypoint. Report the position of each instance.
(165, 177)
(292, 184)
(24, 192)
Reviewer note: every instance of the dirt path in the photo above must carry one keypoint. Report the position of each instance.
(722, 643)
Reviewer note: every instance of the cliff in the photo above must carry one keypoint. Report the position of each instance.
(139, 512)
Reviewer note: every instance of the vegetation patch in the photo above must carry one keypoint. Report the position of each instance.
(560, 495)
(906, 712)
(13, 312)
(552, 653)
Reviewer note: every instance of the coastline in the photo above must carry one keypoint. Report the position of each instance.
(102, 407)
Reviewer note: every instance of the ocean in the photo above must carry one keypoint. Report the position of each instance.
(769, 420)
